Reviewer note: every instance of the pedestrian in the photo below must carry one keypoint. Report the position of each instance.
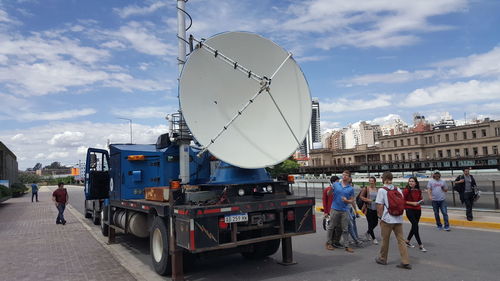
(437, 188)
(390, 208)
(327, 201)
(465, 185)
(34, 192)
(368, 196)
(60, 198)
(413, 199)
(343, 196)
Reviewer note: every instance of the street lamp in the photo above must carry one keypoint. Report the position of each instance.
(130, 123)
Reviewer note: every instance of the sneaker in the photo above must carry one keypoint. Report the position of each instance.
(409, 245)
(375, 242)
(337, 245)
(380, 261)
(329, 247)
(447, 228)
(422, 249)
(349, 250)
(404, 266)
(440, 228)
(64, 222)
(368, 237)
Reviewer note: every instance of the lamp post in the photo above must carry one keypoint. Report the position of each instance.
(130, 123)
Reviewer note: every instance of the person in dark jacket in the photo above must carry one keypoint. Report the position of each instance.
(465, 185)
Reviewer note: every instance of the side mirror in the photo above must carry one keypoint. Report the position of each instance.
(93, 161)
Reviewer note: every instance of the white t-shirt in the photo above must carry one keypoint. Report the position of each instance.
(382, 199)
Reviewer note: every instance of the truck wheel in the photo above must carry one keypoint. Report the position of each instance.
(96, 217)
(262, 249)
(87, 214)
(158, 247)
(104, 217)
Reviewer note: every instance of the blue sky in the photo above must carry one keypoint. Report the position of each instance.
(70, 69)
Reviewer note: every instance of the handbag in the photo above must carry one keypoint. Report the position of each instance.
(359, 201)
(477, 194)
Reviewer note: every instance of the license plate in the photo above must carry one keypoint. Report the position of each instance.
(236, 218)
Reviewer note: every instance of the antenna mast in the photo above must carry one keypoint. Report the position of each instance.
(183, 141)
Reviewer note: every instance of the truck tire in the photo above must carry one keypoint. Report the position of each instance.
(96, 216)
(158, 247)
(104, 218)
(262, 249)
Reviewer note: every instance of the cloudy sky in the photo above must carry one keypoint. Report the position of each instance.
(70, 69)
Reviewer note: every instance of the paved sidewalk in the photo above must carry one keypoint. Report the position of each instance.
(33, 247)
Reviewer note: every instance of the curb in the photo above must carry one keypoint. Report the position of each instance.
(453, 222)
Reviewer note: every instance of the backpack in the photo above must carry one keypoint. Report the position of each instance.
(396, 202)
(359, 201)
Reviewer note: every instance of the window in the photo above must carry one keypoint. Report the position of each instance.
(465, 135)
(474, 134)
(448, 153)
(402, 142)
(383, 158)
(426, 140)
(415, 141)
(410, 156)
(430, 139)
(495, 149)
(457, 152)
(497, 131)
(382, 144)
(408, 141)
(395, 143)
(439, 138)
(440, 153)
(466, 152)
(402, 156)
(483, 132)
(485, 150)
(455, 136)
(417, 155)
(447, 137)
(475, 151)
(390, 157)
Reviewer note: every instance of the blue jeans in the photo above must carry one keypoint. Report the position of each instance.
(352, 228)
(60, 216)
(441, 205)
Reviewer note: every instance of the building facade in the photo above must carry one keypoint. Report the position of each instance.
(468, 141)
(8, 165)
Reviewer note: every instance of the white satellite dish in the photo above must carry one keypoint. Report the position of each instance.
(220, 100)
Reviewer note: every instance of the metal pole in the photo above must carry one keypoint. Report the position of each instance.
(307, 191)
(495, 195)
(453, 193)
(181, 59)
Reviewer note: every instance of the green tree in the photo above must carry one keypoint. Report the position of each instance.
(288, 166)
(54, 165)
(27, 177)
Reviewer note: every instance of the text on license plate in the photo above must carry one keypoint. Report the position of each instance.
(236, 218)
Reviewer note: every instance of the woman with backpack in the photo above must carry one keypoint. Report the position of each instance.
(368, 195)
(413, 199)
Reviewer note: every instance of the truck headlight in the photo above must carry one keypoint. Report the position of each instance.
(241, 192)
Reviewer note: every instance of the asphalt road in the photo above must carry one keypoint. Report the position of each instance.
(461, 254)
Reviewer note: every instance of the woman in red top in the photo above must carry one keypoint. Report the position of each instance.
(413, 197)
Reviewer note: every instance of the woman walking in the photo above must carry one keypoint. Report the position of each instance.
(369, 195)
(413, 197)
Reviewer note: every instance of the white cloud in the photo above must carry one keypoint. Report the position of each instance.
(385, 120)
(476, 65)
(67, 142)
(375, 23)
(328, 126)
(143, 40)
(158, 112)
(461, 92)
(346, 104)
(399, 76)
(133, 10)
(57, 115)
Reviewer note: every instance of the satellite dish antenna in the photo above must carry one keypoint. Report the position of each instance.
(245, 99)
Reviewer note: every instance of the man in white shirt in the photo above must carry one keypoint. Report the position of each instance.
(390, 223)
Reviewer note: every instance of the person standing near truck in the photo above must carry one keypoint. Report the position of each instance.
(465, 185)
(60, 198)
(34, 192)
(436, 189)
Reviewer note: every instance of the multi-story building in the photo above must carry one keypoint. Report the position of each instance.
(335, 140)
(314, 133)
(468, 141)
(8, 165)
(358, 134)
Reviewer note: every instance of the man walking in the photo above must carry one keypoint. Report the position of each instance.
(465, 185)
(34, 192)
(60, 198)
(343, 196)
(437, 188)
(390, 208)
